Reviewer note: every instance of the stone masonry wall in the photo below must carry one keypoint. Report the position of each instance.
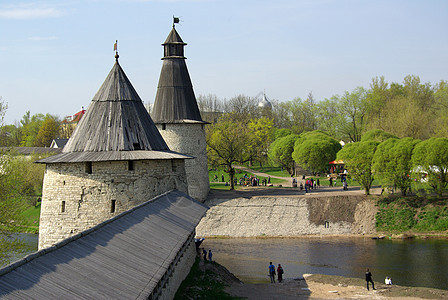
(288, 216)
(74, 200)
(190, 139)
(180, 272)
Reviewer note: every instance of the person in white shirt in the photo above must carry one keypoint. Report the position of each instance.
(388, 280)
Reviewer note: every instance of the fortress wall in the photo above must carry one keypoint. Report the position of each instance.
(190, 139)
(180, 272)
(88, 198)
(288, 216)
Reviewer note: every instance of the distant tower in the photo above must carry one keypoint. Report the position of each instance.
(176, 115)
(114, 160)
(264, 103)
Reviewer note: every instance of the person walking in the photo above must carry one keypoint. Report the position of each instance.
(272, 272)
(210, 255)
(280, 273)
(369, 279)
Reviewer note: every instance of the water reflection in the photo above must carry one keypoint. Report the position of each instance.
(408, 262)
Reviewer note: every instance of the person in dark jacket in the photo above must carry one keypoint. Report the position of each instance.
(280, 273)
(369, 279)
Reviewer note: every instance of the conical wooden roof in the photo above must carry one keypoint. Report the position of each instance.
(175, 100)
(116, 126)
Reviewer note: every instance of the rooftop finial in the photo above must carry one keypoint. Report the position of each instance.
(116, 50)
(175, 20)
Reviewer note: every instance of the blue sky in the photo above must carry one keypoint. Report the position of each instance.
(54, 55)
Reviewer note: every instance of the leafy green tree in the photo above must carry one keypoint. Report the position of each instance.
(280, 152)
(227, 143)
(392, 162)
(358, 159)
(30, 128)
(441, 110)
(47, 132)
(354, 107)
(260, 133)
(10, 207)
(329, 119)
(431, 157)
(376, 135)
(278, 133)
(314, 150)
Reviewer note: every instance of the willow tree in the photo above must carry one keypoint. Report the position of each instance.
(280, 152)
(358, 159)
(392, 162)
(431, 158)
(314, 150)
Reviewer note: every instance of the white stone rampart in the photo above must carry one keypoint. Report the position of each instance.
(74, 200)
(288, 216)
(189, 139)
(179, 272)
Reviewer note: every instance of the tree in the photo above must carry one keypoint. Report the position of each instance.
(211, 107)
(314, 150)
(377, 135)
(30, 128)
(278, 133)
(260, 133)
(242, 108)
(329, 119)
(354, 107)
(431, 158)
(441, 110)
(47, 132)
(280, 152)
(358, 158)
(3, 108)
(227, 143)
(392, 162)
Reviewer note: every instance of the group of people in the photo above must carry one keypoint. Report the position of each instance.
(204, 254)
(272, 272)
(387, 281)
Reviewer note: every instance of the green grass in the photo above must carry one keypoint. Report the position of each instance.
(412, 213)
(273, 171)
(202, 285)
(30, 219)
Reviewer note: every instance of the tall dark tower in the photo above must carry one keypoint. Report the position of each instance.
(176, 115)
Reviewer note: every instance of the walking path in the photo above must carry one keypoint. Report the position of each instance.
(322, 190)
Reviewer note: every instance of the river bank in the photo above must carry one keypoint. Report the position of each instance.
(208, 280)
(317, 286)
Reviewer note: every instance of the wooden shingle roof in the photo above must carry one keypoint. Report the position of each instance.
(116, 121)
(175, 100)
(122, 258)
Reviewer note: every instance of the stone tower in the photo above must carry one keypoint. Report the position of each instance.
(176, 115)
(114, 160)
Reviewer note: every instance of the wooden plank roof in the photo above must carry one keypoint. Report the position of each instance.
(116, 120)
(175, 100)
(73, 157)
(122, 258)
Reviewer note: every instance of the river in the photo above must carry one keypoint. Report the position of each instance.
(421, 263)
(408, 262)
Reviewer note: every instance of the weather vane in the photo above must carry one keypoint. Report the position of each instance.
(116, 50)
(175, 20)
